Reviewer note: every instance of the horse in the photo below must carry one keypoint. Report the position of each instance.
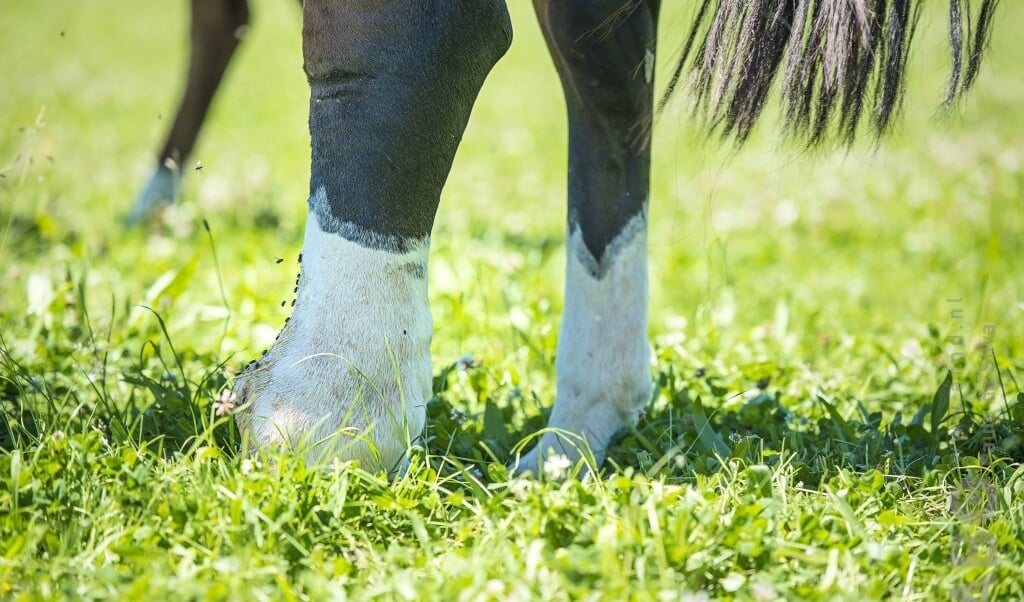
(391, 89)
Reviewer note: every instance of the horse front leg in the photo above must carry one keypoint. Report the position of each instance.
(217, 28)
(604, 53)
(392, 85)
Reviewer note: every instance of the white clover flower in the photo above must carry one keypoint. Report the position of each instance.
(520, 488)
(556, 466)
(225, 403)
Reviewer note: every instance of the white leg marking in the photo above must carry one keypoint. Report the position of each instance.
(603, 355)
(350, 375)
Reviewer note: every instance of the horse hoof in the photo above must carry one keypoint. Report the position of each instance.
(161, 190)
(580, 429)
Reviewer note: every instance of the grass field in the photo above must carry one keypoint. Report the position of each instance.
(807, 311)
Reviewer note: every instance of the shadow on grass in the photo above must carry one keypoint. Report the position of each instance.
(684, 436)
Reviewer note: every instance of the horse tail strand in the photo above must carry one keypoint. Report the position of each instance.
(838, 61)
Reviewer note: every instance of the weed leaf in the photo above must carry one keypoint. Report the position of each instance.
(940, 403)
(706, 434)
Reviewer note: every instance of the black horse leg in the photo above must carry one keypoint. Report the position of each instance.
(604, 53)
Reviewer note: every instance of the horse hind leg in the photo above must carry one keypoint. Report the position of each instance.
(603, 51)
(217, 28)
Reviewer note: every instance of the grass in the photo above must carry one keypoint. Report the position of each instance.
(839, 344)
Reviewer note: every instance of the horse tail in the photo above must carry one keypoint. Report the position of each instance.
(837, 60)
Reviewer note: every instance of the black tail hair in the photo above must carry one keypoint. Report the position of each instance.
(837, 58)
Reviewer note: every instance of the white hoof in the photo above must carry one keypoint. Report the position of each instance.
(581, 430)
(349, 376)
(161, 190)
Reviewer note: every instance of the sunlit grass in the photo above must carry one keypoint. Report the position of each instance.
(805, 313)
